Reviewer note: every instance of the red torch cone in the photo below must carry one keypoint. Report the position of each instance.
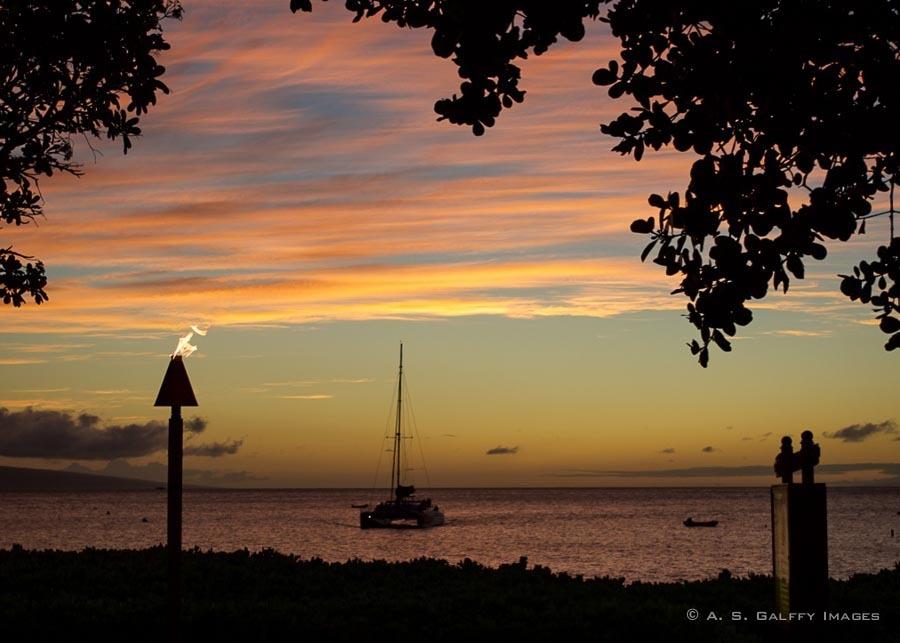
(175, 392)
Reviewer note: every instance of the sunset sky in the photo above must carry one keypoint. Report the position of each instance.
(295, 192)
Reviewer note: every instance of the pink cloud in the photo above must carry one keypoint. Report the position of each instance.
(296, 173)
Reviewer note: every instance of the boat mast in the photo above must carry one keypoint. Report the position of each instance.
(395, 465)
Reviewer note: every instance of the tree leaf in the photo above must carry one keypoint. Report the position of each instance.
(300, 5)
(889, 325)
(642, 226)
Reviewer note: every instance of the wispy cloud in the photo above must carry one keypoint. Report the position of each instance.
(48, 348)
(860, 432)
(214, 449)
(267, 178)
(321, 396)
(291, 383)
(799, 332)
(500, 450)
(277, 169)
(305, 383)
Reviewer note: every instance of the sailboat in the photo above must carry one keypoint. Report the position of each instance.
(402, 508)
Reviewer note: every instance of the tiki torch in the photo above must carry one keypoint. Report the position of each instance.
(175, 392)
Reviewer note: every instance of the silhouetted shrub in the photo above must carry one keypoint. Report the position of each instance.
(267, 596)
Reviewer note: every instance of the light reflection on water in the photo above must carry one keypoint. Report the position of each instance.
(633, 533)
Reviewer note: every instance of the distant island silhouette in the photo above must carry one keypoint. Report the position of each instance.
(24, 479)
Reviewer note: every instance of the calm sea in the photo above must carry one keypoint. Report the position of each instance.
(632, 533)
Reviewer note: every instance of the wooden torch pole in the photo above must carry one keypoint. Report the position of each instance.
(173, 522)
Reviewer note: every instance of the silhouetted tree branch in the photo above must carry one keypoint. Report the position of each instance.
(18, 280)
(68, 67)
(790, 105)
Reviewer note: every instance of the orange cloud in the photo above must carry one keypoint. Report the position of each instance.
(296, 174)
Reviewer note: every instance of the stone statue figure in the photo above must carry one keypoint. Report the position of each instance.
(804, 460)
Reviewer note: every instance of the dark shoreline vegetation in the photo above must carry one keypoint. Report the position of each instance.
(100, 594)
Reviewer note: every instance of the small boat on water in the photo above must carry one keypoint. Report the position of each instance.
(690, 522)
(402, 508)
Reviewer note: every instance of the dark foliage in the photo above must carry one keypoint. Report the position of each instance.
(267, 596)
(791, 106)
(67, 67)
(18, 280)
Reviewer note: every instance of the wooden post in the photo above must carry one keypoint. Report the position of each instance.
(799, 531)
(173, 522)
(799, 547)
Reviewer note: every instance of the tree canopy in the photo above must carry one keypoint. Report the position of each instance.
(67, 68)
(790, 106)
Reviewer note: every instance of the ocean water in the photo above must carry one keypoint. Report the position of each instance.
(632, 533)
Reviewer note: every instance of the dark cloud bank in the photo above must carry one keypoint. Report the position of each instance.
(40, 433)
(859, 432)
(498, 450)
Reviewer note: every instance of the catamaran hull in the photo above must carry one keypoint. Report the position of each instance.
(433, 518)
(430, 518)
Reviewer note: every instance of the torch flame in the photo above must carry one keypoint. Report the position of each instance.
(185, 348)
